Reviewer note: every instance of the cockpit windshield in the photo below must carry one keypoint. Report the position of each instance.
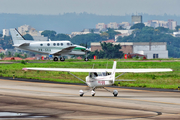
(96, 74)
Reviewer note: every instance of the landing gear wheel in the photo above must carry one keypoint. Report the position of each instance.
(81, 93)
(93, 93)
(62, 59)
(115, 93)
(86, 59)
(55, 59)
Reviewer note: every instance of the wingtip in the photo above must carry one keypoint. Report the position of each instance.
(25, 69)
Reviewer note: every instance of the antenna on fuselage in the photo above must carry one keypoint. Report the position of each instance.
(49, 39)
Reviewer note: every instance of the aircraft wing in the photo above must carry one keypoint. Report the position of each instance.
(68, 49)
(101, 70)
(144, 70)
(70, 69)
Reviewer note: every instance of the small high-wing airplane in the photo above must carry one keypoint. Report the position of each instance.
(55, 48)
(99, 78)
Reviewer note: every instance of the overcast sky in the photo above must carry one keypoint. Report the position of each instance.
(99, 7)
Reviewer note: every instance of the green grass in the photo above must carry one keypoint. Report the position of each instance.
(165, 80)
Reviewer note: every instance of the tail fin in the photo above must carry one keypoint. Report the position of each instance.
(114, 71)
(16, 36)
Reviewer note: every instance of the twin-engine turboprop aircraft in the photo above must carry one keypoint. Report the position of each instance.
(55, 48)
(99, 78)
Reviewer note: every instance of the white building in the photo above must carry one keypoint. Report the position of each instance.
(73, 34)
(5, 32)
(125, 25)
(151, 50)
(101, 26)
(24, 29)
(27, 29)
(176, 34)
(113, 25)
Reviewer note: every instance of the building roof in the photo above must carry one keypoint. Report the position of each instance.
(109, 41)
(133, 43)
(12, 58)
(30, 58)
(2, 50)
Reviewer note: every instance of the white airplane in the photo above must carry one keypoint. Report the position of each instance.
(99, 78)
(55, 48)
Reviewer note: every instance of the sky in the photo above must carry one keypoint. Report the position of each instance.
(99, 7)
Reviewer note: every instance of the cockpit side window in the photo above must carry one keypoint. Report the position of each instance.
(95, 74)
(99, 74)
(104, 74)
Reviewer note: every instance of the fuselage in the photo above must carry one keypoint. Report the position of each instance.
(50, 47)
(101, 79)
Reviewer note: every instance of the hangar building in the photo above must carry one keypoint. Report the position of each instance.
(149, 49)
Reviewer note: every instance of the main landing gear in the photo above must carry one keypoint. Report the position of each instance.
(61, 59)
(81, 92)
(86, 59)
(55, 58)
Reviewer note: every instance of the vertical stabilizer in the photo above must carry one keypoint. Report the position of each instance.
(17, 37)
(114, 71)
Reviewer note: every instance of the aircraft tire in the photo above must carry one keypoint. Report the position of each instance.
(86, 59)
(62, 59)
(115, 93)
(55, 59)
(81, 93)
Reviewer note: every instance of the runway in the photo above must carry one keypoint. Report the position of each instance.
(50, 101)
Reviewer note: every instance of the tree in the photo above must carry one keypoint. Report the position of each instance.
(112, 33)
(28, 37)
(178, 28)
(2, 55)
(62, 37)
(104, 35)
(49, 33)
(121, 28)
(162, 29)
(86, 38)
(138, 26)
(7, 42)
(109, 51)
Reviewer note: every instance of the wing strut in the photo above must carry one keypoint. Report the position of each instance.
(121, 74)
(77, 77)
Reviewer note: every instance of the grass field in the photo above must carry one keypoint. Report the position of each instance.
(165, 80)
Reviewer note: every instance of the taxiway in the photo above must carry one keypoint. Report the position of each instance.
(52, 101)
